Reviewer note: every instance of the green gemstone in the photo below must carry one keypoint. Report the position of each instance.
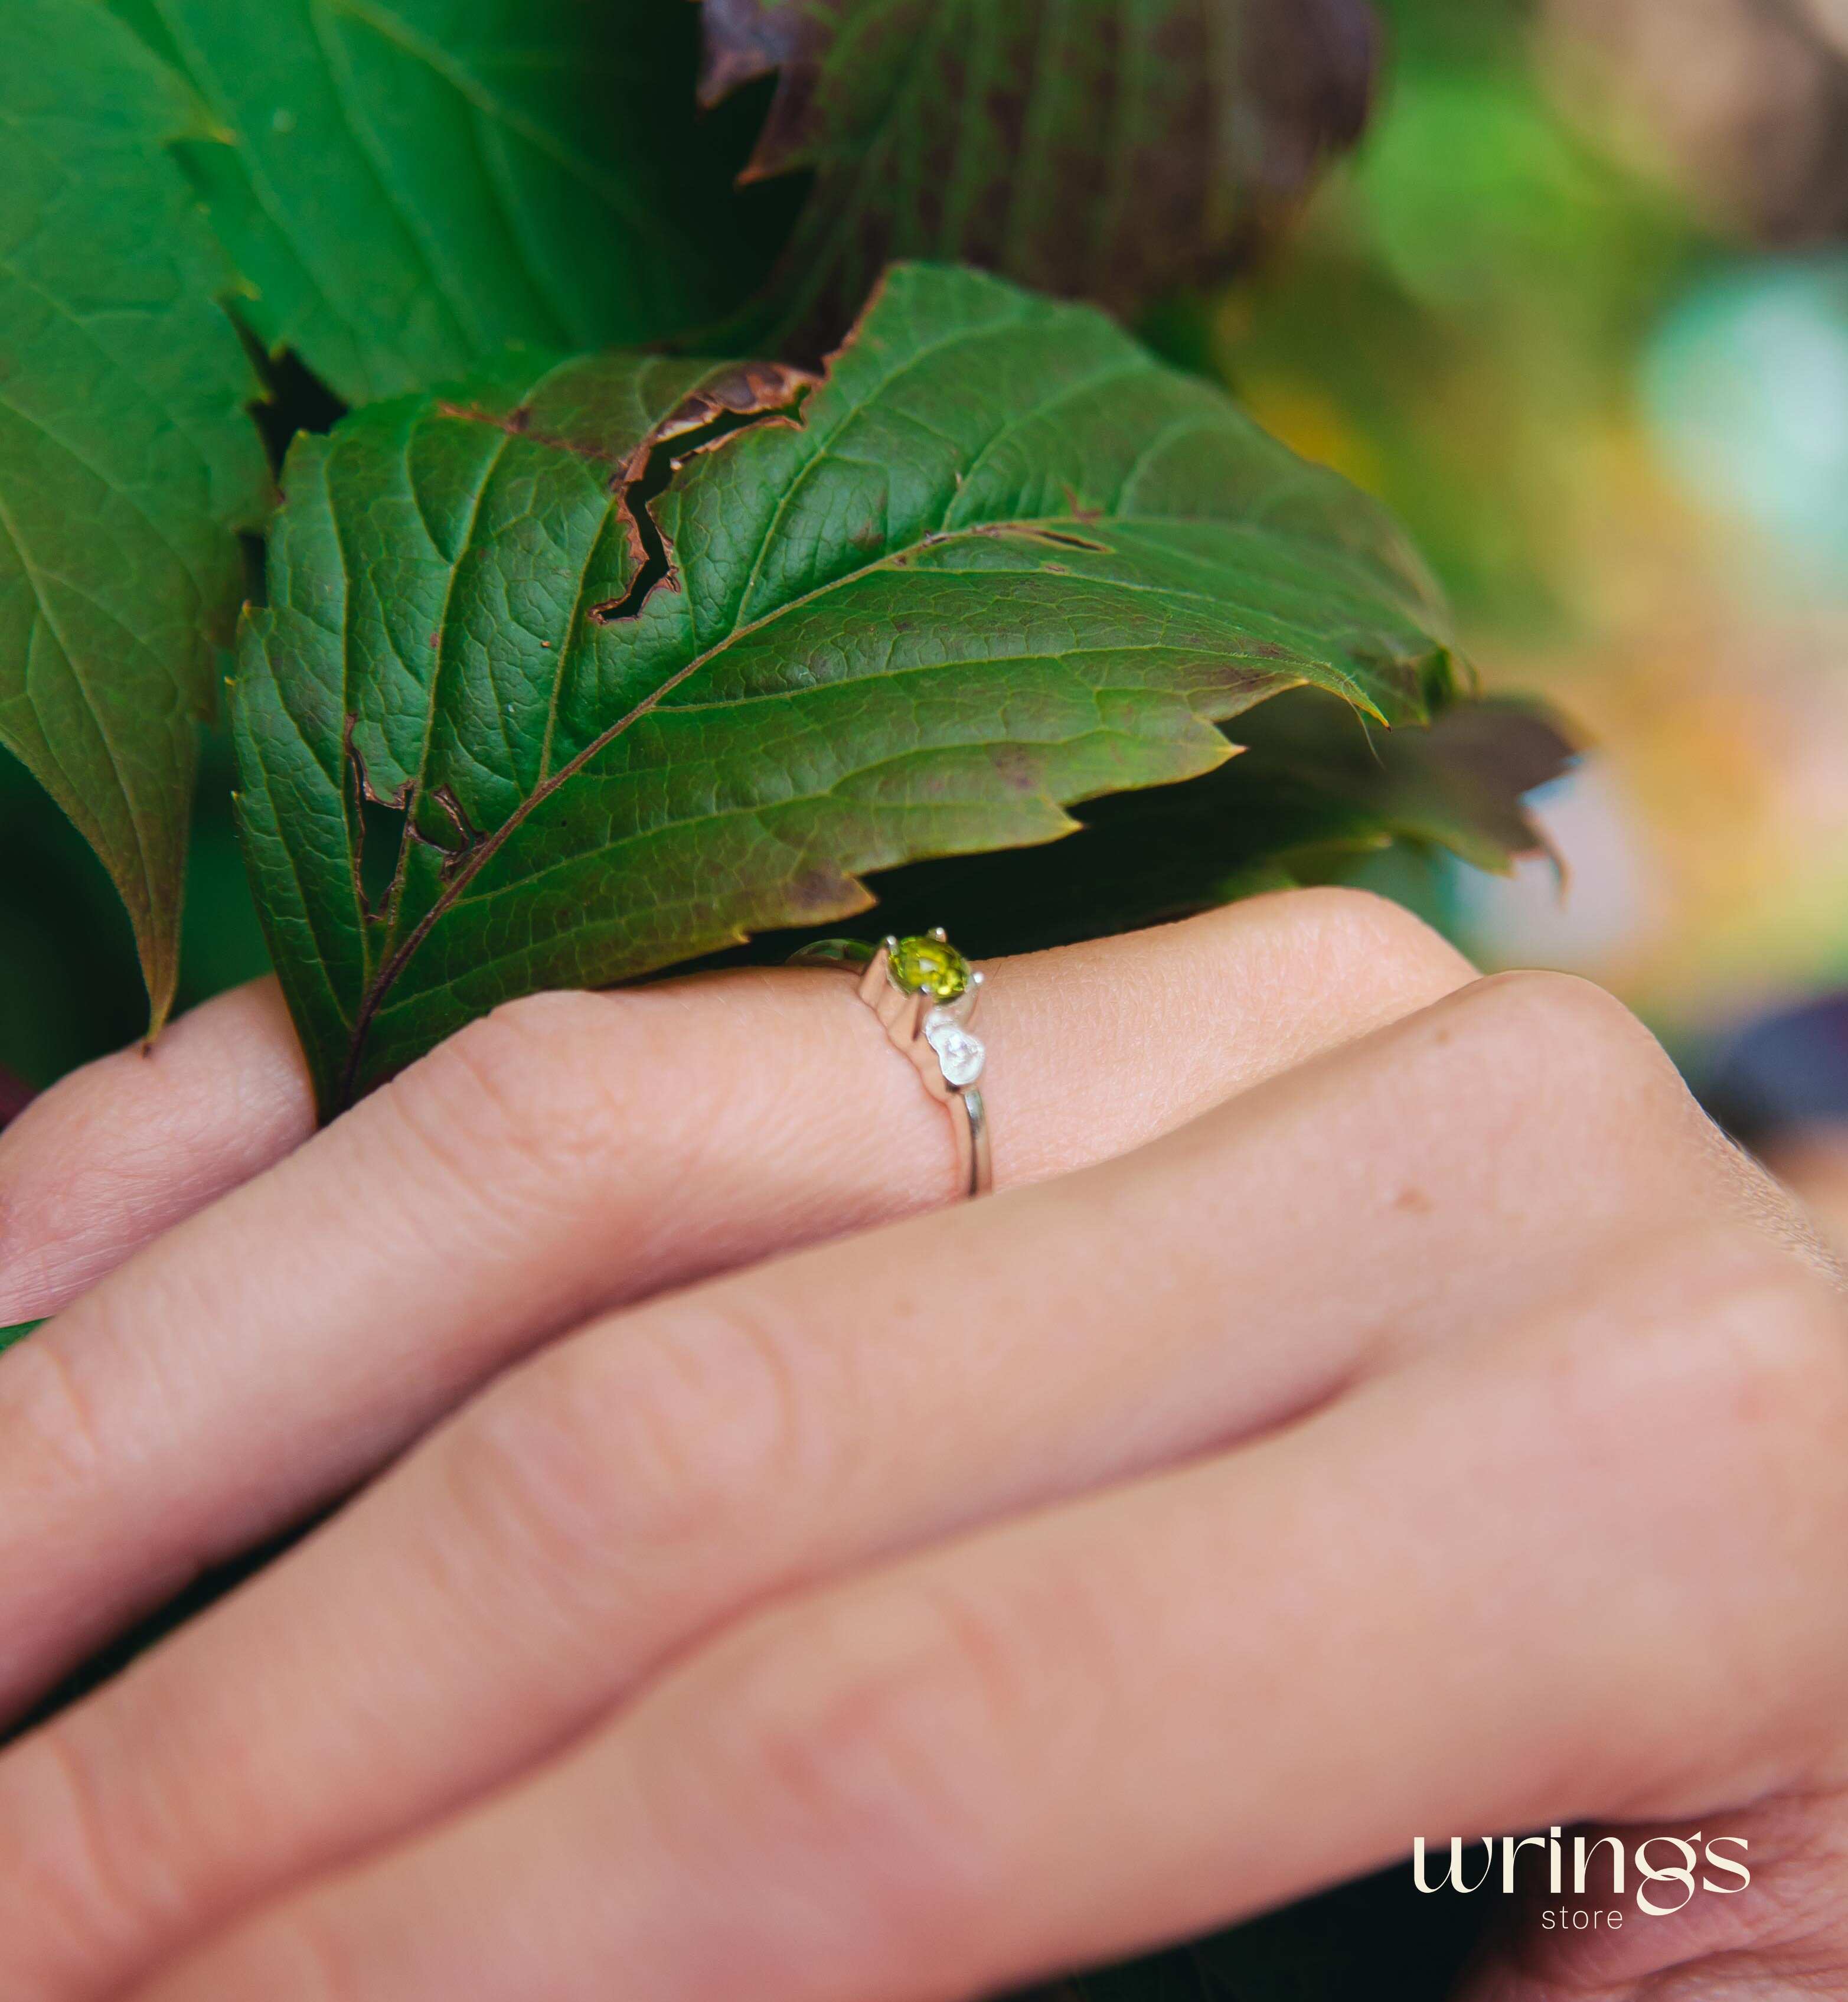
(928, 966)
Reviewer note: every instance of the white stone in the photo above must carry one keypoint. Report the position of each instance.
(960, 1054)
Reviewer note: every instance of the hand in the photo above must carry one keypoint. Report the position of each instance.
(1416, 1420)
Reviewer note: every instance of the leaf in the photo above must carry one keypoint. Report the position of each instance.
(10, 1335)
(1314, 789)
(406, 185)
(1106, 149)
(636, 658)
(127, 459)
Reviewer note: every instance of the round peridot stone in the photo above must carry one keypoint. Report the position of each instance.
(930, 966)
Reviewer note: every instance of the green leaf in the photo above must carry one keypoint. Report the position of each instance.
(1315, 788)
(406, 185)
(634, 658)
(10, 1335)
(1106, 149)
(127, 459)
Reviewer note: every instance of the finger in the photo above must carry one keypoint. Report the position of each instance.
(121, 1150)
(571, 1151)
(1155, 1710)
(598, 1510)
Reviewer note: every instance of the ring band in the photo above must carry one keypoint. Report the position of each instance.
(924, 991)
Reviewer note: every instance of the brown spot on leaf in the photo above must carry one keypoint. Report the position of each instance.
(1018, 767)
(1063, 538)
(823, 892)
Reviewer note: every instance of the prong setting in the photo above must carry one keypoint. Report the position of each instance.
(923, 992)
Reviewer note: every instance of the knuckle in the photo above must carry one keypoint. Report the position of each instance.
(1585, 1096)
(1730, 1391)
(43, 1399)
(1568, 1024)
(86, 1887)
(877, 1731)
(1766, 1364)
(67, 1165)
(685, 1432)
(1372, 956)
(297, 1953)
(1393, 945)
(1729, 1419)
(1535, 1043)
(531, 1082)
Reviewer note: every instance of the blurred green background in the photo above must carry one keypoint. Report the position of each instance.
(1578, 312)
(69, 986)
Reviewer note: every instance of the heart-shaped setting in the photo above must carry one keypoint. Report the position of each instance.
(960, 1054)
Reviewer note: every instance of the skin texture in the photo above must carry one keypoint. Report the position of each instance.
(1378, 1402)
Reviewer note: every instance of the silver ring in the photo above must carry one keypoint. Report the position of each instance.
(924, 991)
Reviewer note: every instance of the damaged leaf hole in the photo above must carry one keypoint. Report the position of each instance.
(1037, 533)
(383, 824)
(735, 401)
(454, 833)
(1063, 538)
(755, 393)
(378, 831)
